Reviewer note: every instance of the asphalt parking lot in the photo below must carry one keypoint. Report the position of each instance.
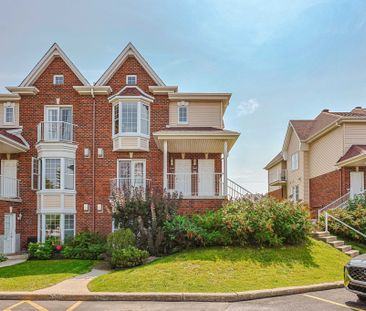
(331, 300)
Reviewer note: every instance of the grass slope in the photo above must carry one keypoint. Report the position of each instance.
(36, 274)
(229, 269)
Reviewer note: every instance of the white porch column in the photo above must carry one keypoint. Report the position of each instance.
(165, 165)
(225, 169)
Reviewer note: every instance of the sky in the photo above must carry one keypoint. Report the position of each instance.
(281, 60)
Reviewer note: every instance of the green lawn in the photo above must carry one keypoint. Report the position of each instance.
(36, 274)
(229, 269)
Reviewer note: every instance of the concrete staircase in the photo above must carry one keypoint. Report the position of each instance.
(338, 244)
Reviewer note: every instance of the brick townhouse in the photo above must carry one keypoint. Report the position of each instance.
(322, 161)
(66, 144)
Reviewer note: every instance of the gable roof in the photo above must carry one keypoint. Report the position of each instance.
(54, 51)
(121, 58)
(352, 152)
(277, 159)
(131, 91)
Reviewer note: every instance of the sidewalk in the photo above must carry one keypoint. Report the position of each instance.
(13, 260)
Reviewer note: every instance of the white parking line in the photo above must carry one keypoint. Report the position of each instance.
(333, 302)
(74, 306)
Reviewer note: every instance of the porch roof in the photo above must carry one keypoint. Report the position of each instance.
(11, 141)
(355, 156)
(195, 139)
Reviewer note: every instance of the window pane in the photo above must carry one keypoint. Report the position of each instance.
(9, 115)
(69, 174)
(129, 118)
(131, 80)
(124, 172)
(69, 224)
(116, 119)
(139, 174)
(182, 114)
(145, 119)
(53, 229)
(53, 174)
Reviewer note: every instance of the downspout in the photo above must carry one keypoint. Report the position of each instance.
(93, 160)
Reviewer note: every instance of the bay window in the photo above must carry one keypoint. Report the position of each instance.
(131, 119)
(53, 174)
(58, 227)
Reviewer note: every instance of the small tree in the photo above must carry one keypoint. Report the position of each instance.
(145, 214)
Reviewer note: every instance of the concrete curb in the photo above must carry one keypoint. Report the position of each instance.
(176, 297)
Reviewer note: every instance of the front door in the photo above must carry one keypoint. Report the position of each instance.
(183, 177)
(357, 183)
(206, 177)
(9, 178)
(9, 233)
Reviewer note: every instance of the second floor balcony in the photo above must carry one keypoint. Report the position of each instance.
(56, 131)
(278, 177)
(9, 188)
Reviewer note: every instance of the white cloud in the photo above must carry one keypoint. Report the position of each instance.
(248, 107)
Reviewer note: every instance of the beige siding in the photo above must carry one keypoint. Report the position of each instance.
(354, 134)
(130, 143)
(2, 107)
(199, 114)
(325, 152)
(69, 201)
(51, 201)
(274, 171)
(296, 177)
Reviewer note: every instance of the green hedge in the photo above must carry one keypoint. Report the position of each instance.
(264, 222)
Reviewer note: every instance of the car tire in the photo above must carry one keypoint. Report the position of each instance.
(362, 298)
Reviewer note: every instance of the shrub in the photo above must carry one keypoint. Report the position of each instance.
(128, 257)
(354, 214)
(41, 250)
(145, 214)
(85, 245)
(2, 257)
(266, 222)
(121, 238)
(197, 230)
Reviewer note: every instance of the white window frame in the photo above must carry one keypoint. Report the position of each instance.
(138, 132)
(184, 105)
(143, 161)
(12, 107)
(62, 175)
(133, 77)
(295, 161)
(42, 225)
(36, 171)
(295, 195)
(55, 77)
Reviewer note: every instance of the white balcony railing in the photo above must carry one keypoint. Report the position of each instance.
(56, 131)
(196, 184)
(9, 188)
(128, 184)
(279, 176)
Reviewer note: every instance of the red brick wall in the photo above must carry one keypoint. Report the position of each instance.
(277, 194)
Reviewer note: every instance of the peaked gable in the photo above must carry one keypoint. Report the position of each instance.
(51, 54)
(129, 50)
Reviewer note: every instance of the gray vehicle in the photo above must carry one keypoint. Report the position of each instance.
(355, 276)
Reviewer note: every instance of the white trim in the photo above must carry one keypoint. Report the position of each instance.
(62, 176)
(58, 76)
(5, 107)
(145, 96)
(54, 51)
(131, 76)
(129, 50)
(180, 105)
(133, 161)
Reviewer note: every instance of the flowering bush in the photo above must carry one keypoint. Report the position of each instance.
(41, 250)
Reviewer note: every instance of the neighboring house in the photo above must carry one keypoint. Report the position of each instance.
(321, 159)
(66, 145)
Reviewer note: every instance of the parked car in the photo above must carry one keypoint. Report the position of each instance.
(355, 276)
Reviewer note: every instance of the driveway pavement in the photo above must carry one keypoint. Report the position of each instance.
(330, 300)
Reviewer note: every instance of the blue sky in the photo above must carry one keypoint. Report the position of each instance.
(281, 59)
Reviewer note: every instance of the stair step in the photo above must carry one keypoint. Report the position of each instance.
(336, 243)
(344, 248)
(329, 239)
(352, 253)
(320, 234)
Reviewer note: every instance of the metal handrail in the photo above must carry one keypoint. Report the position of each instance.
(53, 131)
(327, 215)
(235, 191)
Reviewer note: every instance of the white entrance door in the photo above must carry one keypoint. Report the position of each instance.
(357, 183)
(9, 233)
(206, 177)
(183, 177)
(9, 178)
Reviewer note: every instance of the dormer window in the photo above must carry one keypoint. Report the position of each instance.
(131, 79)
(9, 113)
(182, 113)
(58, 80)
